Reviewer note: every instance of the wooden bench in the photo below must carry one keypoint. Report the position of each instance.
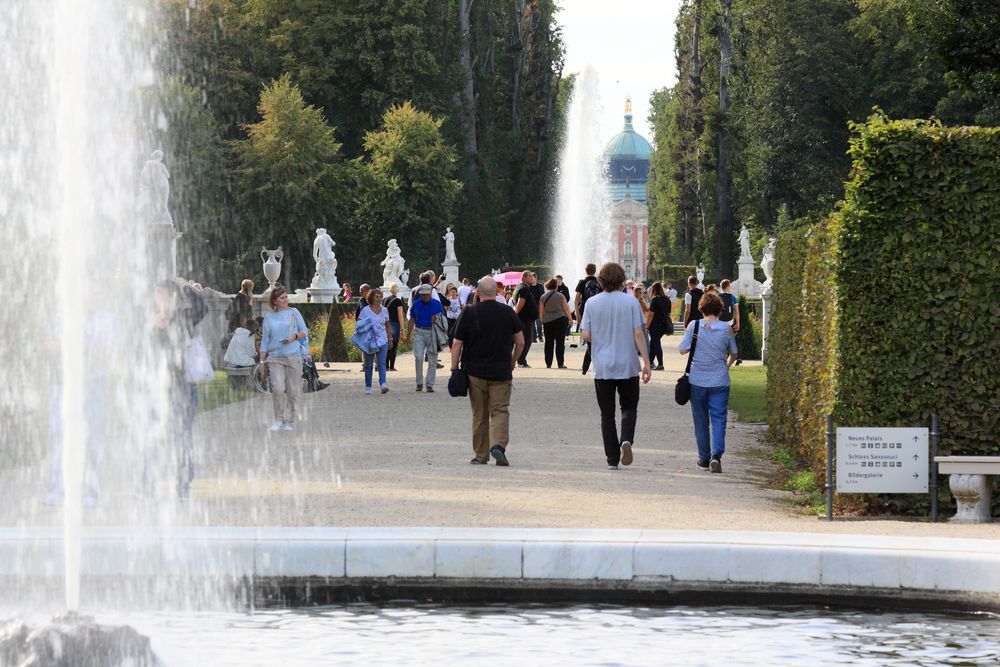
(971, 483)
(240, 377)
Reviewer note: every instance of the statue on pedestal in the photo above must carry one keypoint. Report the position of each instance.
(326, 261)
(449, 246)
(154, 190)
(744, 242)
(767, 262)
(393, 264)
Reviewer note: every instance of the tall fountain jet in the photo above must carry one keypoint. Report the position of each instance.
(80, 380)
(582, 225)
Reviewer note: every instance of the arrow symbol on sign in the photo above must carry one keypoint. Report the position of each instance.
(915, 475)
(916, 438)
(916, 457)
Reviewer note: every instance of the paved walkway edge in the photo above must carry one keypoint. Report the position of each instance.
(832, 566)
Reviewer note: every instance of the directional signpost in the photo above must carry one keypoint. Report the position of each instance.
(882, 460)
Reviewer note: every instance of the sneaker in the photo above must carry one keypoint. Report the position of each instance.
(430, 389)
(525, 365)
(658, 368)
(703, 464)
(368, 391)
(391, 369)
(715, 465)
(276, 426)
(477, 462)
(288, 427)
(626, 453)
(440, 365)
(612, 466)
(564, 367)
(385, 389)
(420, 387)
(320, 386)
(497, 452)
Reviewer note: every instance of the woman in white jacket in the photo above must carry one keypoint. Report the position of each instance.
(242, 351)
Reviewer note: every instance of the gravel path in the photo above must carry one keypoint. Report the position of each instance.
(401, 459)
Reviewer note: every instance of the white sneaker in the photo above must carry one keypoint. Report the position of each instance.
(288, 427)
(368, 391)
(276, 426)
(385, 389)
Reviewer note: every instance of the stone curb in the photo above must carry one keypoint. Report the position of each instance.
(825, 564)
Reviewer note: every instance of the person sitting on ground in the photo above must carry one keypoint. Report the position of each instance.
(714, 353)
(555, 319)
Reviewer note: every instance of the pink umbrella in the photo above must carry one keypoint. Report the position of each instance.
(509, 278)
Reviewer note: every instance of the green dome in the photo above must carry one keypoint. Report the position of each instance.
(628, 144)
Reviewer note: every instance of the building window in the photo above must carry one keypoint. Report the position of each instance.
(627, 249)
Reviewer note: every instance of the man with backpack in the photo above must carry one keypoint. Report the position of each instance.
(691, 300)
(730, 306)
(588, 287)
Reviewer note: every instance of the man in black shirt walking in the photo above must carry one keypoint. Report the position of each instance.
(488, 341)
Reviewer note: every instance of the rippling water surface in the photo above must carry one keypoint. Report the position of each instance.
(584, 635)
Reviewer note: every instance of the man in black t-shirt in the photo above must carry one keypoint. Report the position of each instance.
(586, 288)
(488, 342)
(526, 307)
(691, 301)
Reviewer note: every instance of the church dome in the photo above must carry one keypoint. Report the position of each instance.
(628, 144)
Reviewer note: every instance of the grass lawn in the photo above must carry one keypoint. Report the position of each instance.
(217, 393)
(746, 394)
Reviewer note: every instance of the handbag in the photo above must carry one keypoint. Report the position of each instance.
(682, 392)
(458, 383)
(197, 366)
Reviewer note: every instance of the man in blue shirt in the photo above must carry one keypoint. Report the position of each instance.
(422, 314)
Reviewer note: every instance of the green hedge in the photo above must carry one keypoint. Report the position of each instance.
(858, 328)
(748, 338)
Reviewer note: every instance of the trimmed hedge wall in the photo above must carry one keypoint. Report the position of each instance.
(858, 326)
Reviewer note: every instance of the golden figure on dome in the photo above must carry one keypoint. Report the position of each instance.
(628, 104)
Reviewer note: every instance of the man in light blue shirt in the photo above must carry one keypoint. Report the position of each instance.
(614, 327)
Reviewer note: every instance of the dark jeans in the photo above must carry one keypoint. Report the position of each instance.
(656, 331)
(555, 338)
(390, 357)
(628, 399)
(528, 340)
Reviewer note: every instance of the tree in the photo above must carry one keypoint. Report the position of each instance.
(290, 177)
(407, 186)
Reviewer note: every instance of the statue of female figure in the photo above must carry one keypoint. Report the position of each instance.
(745, 242)
(449, 246)
(393, 264)
(767, 261)
(326, 261)
(154, 190)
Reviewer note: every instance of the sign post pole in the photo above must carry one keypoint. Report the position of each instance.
(829, 467)
(935, 440)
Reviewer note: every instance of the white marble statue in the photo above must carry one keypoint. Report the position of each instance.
(326, 261)
(744, 242)
(154, 190)
(449, 246)
(393, 263)
(700, 272)
(767, 262)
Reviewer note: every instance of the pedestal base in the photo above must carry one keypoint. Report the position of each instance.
(746, 284)
(323, 294)
(451, 272)
(162, 251)
(972, 496)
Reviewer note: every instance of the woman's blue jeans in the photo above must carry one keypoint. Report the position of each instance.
(709, 404)
(370, 359)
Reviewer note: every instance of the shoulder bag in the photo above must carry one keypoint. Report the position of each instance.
(197, 366)
(682, 392)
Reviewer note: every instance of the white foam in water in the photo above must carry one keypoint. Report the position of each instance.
(583, 226)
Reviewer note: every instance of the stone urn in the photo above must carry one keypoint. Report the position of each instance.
(272, 265)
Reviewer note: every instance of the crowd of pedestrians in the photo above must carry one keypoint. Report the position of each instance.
(485, 331)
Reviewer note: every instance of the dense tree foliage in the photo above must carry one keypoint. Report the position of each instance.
(798, 74)
(486, 71)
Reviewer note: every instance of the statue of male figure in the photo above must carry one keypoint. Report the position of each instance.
(326, 261)
(154, 189)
